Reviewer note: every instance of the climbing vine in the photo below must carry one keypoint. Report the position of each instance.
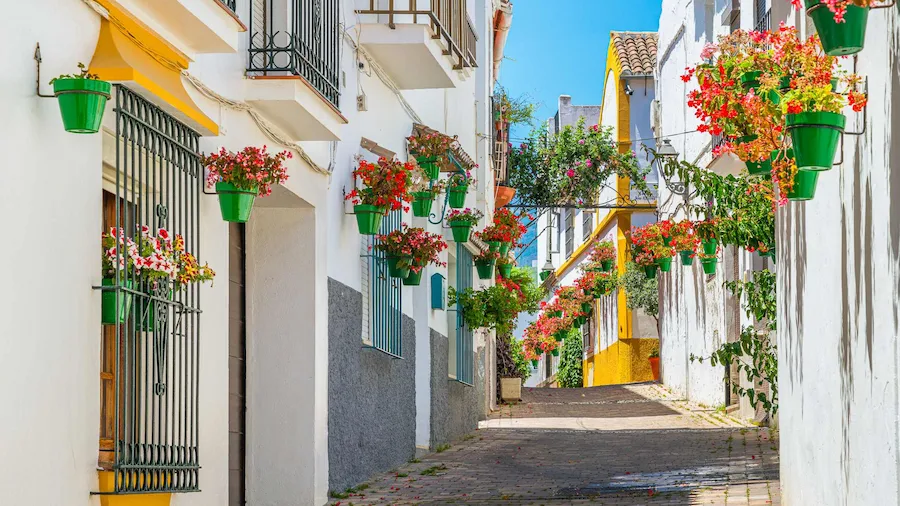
(570, 362)
(755, 353)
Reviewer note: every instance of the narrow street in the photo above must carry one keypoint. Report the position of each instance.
(613, 445)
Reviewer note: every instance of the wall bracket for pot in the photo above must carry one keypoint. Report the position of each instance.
(865, 114)
(37, 80)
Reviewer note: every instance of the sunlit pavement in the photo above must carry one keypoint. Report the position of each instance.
(618, 445)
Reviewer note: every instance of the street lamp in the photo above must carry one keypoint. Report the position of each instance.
(547, 269)
(665, 154)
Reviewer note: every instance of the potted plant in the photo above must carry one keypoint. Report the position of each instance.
(82, 99)
(504, 266)
(654, 362)
(684, 241)
(485, 263)
(604, 255)
(457, 187)
(648, 249)
(385, 187)
(408, 251)
(841, 24)
(512, 227)
(118, 262)
(423, 197)
(240, 177)
(462, 221)
(431, 151)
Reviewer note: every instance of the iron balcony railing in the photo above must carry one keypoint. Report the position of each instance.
(300, 38)
(764, 21)
(448, 20)
(231, 4)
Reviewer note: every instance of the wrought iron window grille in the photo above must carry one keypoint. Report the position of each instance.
(385, 296)
(465, 337)
(150, 403)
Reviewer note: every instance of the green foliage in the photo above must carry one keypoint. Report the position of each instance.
(570, 167)
(515, 111)
(755, 353)
(497, 307)
(570, 373)
(521, 366)
(640, 291)
(83, 74)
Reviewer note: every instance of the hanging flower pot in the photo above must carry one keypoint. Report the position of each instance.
(429, 166)
(398, 266)
(710, 246)
(422, 204)
(457, 196)
(650, 271)
(544, 275)
(665, 264)
(110, 314)
(368, 218)
(839, 39)
(555, 352)
(577, 322)
(815, 137)
(687, 257)
(606, 265)
(804, 185)
(555, 314)
(587, 307)
(534, 363)
(81, 102)
(505, 269)
(413, 278)
(755, 168)
(461, 231)
(709, 265)
(504, 248)
(149, 313)
(235, 203)
(493, 246)
(750, 80)
(485, 268)
(560, 335)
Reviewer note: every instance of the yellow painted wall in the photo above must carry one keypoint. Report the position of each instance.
(623, 362)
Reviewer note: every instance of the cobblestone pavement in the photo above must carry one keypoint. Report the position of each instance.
(617, 445)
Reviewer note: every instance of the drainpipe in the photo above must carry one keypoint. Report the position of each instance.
(502, 22)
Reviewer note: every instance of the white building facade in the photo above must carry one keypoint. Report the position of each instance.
(272, 386)
(838, 267)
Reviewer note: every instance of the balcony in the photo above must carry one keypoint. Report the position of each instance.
(294, 66)
(421, 44)
(193, 26)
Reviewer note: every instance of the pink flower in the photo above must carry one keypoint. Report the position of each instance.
(570, 173)
(581, 142)
(708, 51)
(588, 163)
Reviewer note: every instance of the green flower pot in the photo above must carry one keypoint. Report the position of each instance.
(544, 275)
(235, 203)
(422, 204)
(839, 39)
(587, 307)
(534, 364)
(606, 265)
(504, 248)
(398, 266)
(81, 103)
(687, 257)
(750, 80)
(493, 245)
(109, 313)
(457, 196)
(555, 352)
(560, 336)
(710, 246)
(754, 168)
(709, 265)
(368, 218)
(485, 268)
(555, 314)
(650, 271)
(804, 185)
(414, 278)
(505, 269)
(430, 166)
(815, 137)
(577, 322)
(665, 264)
(461, 231)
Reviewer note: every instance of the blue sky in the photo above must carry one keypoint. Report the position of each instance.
(558, 47)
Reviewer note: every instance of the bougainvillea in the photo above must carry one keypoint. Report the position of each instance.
(248, 169)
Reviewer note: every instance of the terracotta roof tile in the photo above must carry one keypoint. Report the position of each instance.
(636, 51)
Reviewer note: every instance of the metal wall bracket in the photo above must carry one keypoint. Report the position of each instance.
(37, 63)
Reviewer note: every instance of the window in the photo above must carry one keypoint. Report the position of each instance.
(587, 331)
(384, 304)
(149, 360)
(570, 232)
(465, 340)
(587, 224)
(302, 40)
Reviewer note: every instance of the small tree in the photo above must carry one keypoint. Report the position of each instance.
(641, 292)
(570, 373)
